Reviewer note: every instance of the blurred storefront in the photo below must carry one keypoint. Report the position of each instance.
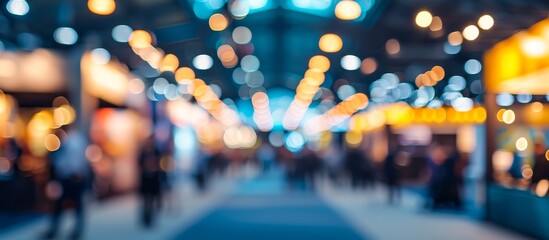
(516, 71)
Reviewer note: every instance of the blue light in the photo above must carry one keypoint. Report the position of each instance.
(366, 6)
(216, 4)
(312, 4)
(294, 142)
(322, 8)
(257, 4)
(202, 10)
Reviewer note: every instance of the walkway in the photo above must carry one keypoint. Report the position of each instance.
(263, 209)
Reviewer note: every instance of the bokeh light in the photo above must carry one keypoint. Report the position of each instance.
(521, 144)
(203, 62)
(102, 7)
(455, 38)
(242, 35)
(65, 36)
(218, 22)
(348, 10)
(392, 46)
(330, 43)
(140, 39)
(368, 66)
(424, 19)
(486, 22)
(470, 32)
(18, 7)
(350, 62)
(121, 33)
(320, 63)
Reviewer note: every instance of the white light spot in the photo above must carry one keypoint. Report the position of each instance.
(121, 33)
(350, 62)
(18, 7)
(65, 35)
(203, 62)
(100, 56)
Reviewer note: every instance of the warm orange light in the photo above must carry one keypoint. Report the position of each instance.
(499, 115)
(438, 72)
(348, 10)
(316, 75)
(102, 7)
(436, 24)
(536, 107)
(218, 22)
(369, 66)
(169, 63)
(330, 43)
(184, 75)
(455, 38)
(392, 46)
(319, 62)
(140, 39)
(52, 142)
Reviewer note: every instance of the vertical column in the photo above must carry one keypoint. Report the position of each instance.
(491, 129)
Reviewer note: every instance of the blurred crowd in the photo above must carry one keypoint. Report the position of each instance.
(438, 169)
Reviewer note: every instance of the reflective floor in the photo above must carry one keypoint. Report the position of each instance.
(263, 207)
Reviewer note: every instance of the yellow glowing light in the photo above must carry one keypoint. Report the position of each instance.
(436, 24)
(534, 46)
(319, 62)
(102, 7)
(184, 75)
(455, 38)
(536, 107)
(547, 155)
(499, 115)
(348, 10)
(330, 43)
(471, 32)
(542, 188)
(368, 66)
(316, 75)
(521, 144)
(52, 142)
(140, 39)
(479, 114)
(486, 22)
(392, 46)
(424, 19)
(169, 63)
(508, 116)
(353, 138)
(218, 22)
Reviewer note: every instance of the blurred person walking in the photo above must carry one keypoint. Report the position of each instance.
(70, 173)
(359, 167)
(541, 164)
(150, 180)
(391, 175)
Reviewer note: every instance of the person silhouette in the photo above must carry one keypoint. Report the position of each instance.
(70, 173)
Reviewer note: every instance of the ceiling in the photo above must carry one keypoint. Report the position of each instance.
(283, 39)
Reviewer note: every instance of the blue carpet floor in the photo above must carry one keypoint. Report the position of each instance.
(270, 214)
